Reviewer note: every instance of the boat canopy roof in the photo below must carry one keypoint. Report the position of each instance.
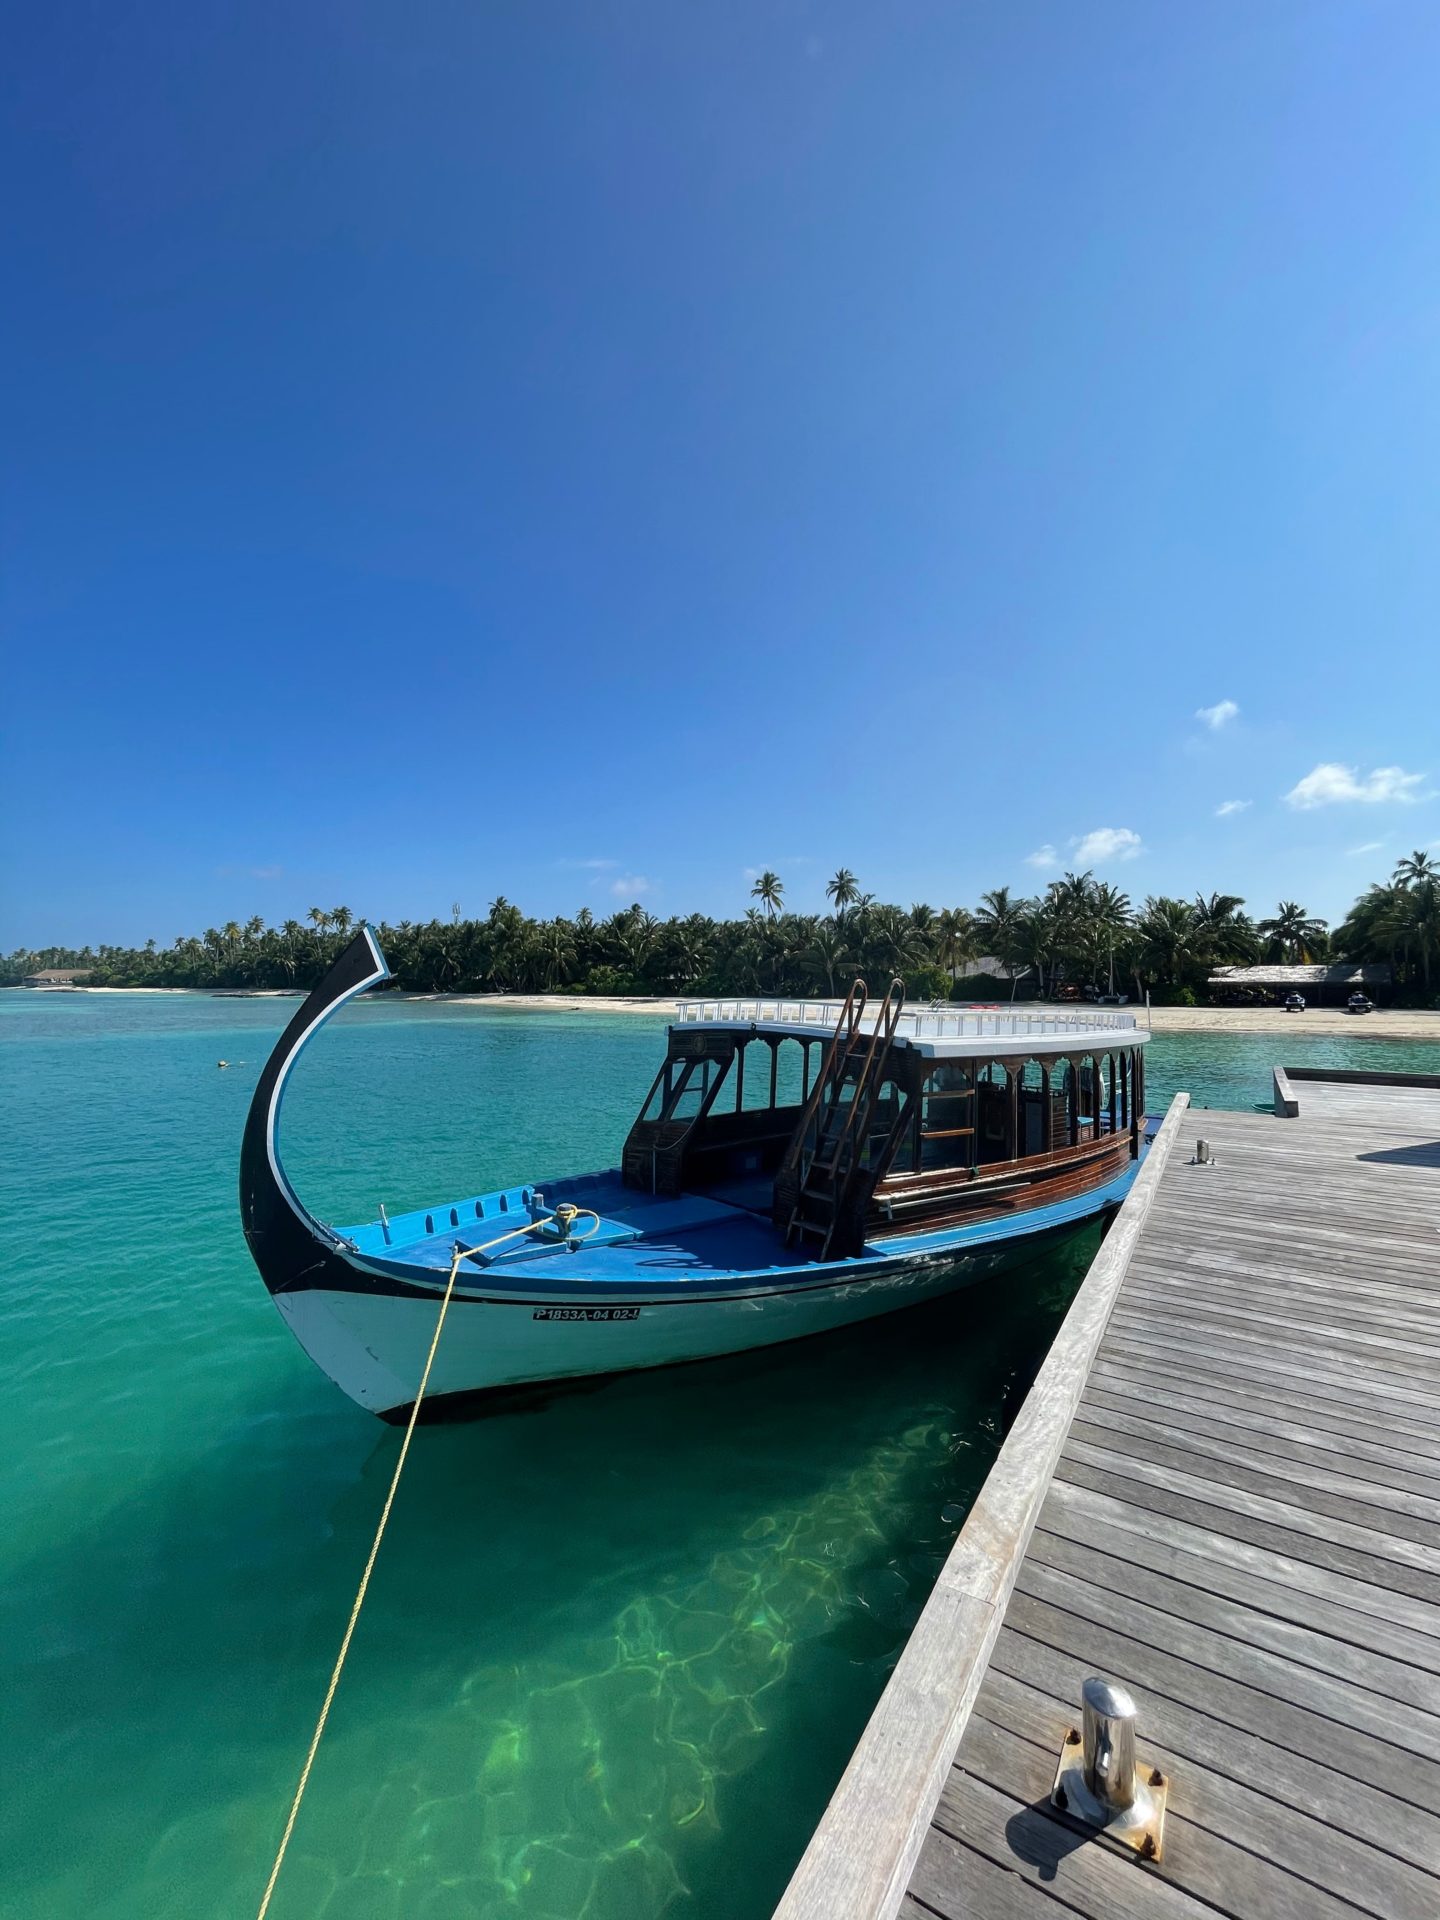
(945, 1032)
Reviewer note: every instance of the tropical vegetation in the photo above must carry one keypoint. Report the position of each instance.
(1080, 933)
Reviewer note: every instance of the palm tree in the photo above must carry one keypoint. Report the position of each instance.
(1293, 934)
(843, 891)
(826, 954)
(556, 951)
(1421, 923)
(997, 929)
(288, 948)
(341, 919)
(505, 936)
(1400, 922)
(1071, 895)
(1036, 940)
(1168, 938)
(1226, 934)
(955, 939)
(688, 945)
(1108, 918)
(892, 942)
(1416, 868)
(769, 890)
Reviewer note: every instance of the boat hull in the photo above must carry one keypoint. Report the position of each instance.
(373, 1344)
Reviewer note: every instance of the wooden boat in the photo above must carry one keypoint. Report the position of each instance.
(797, 1165)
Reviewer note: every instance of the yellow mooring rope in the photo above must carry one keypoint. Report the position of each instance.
(566, 1217)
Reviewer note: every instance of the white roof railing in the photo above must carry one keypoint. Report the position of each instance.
(915, 1022)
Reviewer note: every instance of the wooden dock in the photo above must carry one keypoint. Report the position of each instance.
(1239, 1520)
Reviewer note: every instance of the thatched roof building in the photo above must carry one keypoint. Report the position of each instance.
(1316, 979)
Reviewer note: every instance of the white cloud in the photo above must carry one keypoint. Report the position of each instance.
(1045, 858)
(630, 886)
(1368, 846)
(1217, 716)
(1330, 782)
(1106, 844)
(1230, 806)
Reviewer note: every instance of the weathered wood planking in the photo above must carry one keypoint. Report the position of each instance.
(1242, 1523)
(860, 1858)
(1244, 1526)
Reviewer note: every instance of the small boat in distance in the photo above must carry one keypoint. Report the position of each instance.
(797, 1165)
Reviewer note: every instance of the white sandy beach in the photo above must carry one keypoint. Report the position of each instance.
(1385, 1023)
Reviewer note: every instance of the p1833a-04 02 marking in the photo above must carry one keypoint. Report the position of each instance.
(586, 1313)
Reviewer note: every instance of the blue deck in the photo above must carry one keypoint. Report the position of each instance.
(701, 1241)
(640, 1233)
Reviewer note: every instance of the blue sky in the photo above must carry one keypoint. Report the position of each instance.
(589, 451)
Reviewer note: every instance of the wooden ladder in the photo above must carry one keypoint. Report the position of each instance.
(833, 1163)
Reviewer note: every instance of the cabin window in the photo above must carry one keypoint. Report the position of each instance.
(947, 1117)
(1087, 1107)
(883, 1121)
(773, 1075)
(681, 1088)
(790, 1075)
(691, 1089)
(1031, 1102)
(992, 1114)
(753, 1092)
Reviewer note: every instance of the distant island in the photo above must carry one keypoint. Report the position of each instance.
(1081, 935)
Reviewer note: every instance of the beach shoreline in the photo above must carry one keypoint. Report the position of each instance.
(1385, 1023)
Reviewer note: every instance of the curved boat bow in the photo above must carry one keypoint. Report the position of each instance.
(287, 1244)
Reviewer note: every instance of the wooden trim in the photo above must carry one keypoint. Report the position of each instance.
(860, 1858)
(961, 1205)
(1002, 1172)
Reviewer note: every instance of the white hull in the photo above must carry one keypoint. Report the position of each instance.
(373, 1345)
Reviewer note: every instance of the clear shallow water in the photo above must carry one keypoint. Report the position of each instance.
(618, 1646)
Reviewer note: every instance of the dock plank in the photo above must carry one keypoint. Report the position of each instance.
(1244, 1528)
(1241, 1524)
(1294, 1839)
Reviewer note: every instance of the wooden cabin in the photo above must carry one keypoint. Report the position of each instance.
(850, 1122)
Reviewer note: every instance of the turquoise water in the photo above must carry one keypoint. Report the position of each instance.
(618, 1646)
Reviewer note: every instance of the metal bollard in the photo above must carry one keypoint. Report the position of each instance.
(1203, 1155)
(1099, 1781)
(1108, 1739)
